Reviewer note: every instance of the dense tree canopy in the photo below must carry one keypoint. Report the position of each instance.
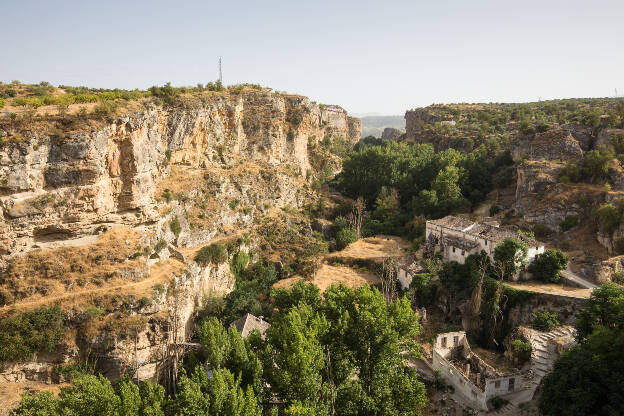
(588, 379)
(344, 354)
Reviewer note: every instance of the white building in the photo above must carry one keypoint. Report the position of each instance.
(469, 375)
(457, 238)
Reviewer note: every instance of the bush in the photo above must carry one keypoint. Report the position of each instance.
(618, 277)
(234, 203)
(214, 253)
(521, 350)
(345, 237)
(548, 265)
(568, 223)
(175, 227)
(24, 334)
(607, 218)
(545, 320)
(239, 263)
(2, 102)
(540, 230)
(94, 312)
(498, 402)
(494, 209)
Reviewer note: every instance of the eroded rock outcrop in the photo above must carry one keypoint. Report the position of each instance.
(55, 188)
(555, 144)
(178, 178)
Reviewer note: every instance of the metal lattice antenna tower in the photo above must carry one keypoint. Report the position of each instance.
(220, 73)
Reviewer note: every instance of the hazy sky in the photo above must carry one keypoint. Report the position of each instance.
(368, 56)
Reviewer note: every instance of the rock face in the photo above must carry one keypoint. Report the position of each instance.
(390, 133)
(556, 144)
(209, 168)
(54, 188)
(605, 135)
(416, 119)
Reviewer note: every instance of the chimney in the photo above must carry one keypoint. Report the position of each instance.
(468, 370)
(478, 378)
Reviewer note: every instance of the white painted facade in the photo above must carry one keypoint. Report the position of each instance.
(457, 238)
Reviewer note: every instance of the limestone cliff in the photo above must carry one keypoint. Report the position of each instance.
(112, 217)
(61, 187)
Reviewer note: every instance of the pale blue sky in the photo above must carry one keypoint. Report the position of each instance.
(368, 56)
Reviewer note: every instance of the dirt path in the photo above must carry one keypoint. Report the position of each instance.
(552, 289)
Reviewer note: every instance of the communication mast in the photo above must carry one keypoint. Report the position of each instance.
(220, 73)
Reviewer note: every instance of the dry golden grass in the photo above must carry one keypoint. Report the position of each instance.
(115, 288)
(86, 275)
(10, 392)
(373, 248)
(334, 275)
(553, 289)
(50, 272)
(366, 250)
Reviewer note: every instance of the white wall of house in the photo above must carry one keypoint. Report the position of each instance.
(405, 278)
(488, 246)
(444, 344)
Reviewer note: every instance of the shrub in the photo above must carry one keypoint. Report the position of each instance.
(545, 320)
(2, 102)
(106, 111)
(540, 230)
(214, 253)
(522, 350)
(159, 246)
(498, 402)
(494, 209)
(234, 203)
(175, 227)
(239, 263)
(94, 312)
(547, 266)
(569, 223)
(618, 277)
(607, 218)
(340, 223)
(345, 237)
(24, 334)
(570, 173)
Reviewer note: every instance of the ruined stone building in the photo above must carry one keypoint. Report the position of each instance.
(469, 375)
(457, 238)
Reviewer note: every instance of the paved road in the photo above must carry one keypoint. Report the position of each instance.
(570, 275)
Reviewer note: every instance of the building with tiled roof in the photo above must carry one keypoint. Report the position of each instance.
(247, 323)
(457, 238)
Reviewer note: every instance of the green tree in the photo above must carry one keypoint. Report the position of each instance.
(90, 396)
(607, 217)
(219, 395)
(596, 163)
(587, 380)
(605, 308)
(215, 342)
(295, 357)
(300, 293)
(345, 237)
(548, 265)
(511, 256)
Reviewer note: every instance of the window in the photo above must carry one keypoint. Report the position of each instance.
(497, 384)
(463, 253)
(453, 249)
(486, 242)
(443, 342)
(512, 382)
(455, 340)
